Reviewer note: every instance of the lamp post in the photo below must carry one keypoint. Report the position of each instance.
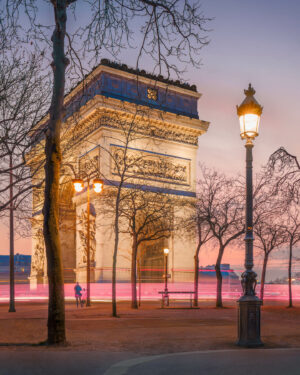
(166, 253)
(98, 187)
(249, 113)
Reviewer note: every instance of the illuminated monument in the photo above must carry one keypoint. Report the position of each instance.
(167, 127)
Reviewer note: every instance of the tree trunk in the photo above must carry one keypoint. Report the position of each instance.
(290, 274)
(134, 303)
(263, 277)
(56, 308)
(114, 266)
(140, 281)
(196, 275)
(11, 241)
(219, 302)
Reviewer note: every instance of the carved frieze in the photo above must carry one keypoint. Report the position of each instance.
(150, 165)
(146, 128)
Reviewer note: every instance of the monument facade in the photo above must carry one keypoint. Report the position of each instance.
(115, 112)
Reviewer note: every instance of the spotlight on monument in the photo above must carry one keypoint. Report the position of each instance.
(166, 251)
(78, 184)
(97, 185)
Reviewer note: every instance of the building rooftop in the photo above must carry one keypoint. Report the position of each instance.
(118, 81)
(143, 73)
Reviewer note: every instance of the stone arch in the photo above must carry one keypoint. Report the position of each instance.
(152, 260)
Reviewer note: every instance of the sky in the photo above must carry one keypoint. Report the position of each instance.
(255, 41)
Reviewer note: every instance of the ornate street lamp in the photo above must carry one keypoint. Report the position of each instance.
(78, 184)
(249, 113)
(98, 187)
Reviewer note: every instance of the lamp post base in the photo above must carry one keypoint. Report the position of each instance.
(12, 308)
(249, 322)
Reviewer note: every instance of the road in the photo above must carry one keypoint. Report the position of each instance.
(219, 362)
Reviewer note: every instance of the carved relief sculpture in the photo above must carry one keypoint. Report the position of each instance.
(143, 164)
(38, 256)
(89, 164)
(82, 223)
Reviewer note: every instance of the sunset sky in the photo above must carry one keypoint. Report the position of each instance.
(255, 41)
(259, 42)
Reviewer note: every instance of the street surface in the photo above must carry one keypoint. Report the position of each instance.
(50, 362)
(215, 362)
(227, 362)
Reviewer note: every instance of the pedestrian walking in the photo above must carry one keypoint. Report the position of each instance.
(83, 297)
(78, 289)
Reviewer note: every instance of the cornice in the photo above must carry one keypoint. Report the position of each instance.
(95, 107)
(99, 106)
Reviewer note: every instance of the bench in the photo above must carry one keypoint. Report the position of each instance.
(165, 296)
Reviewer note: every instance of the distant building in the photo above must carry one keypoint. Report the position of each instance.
(208, 273)
(22, 267)
(297, 278)
(284, 280)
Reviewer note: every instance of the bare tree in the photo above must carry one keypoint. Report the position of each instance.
(196, 224)
(171, 32)
(220, 202)
(125, 168)
(149, 217)
(270, 236)
(142, 208)
(283, 169)
(268, 208)
(21, 105)
(292, 233)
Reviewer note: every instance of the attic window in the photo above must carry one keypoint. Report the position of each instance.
(152, 93)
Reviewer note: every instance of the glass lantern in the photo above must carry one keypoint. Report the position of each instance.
(249, 113)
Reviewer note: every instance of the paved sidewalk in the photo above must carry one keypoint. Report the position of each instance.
(147, 331)
(151, 340)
